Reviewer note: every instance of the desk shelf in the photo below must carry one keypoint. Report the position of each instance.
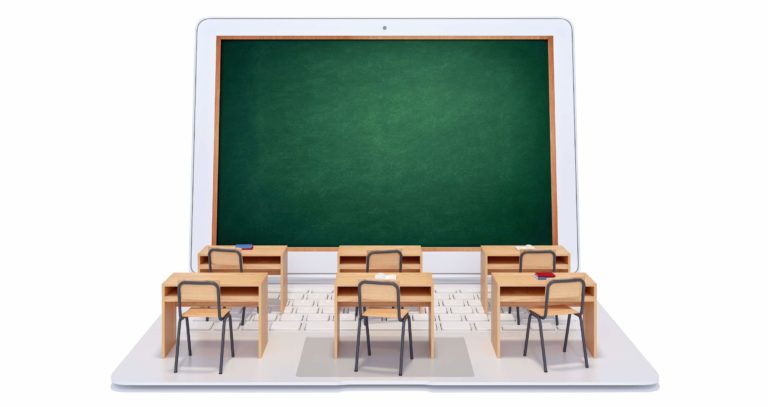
(352, 258)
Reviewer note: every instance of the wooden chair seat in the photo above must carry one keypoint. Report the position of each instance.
(205, 313)
(384, 312)
(555, 310)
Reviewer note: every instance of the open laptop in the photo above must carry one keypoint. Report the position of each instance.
(299, 337)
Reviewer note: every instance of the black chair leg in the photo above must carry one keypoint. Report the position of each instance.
(357, 343)
(357, 310)
(557, 321)
(178, 338)
(221, 354)
(541, 338)
(567, 328)
(242, 321)
(367, 336)
(231, 337)
(527, 333)
(518, 314)
(583, 342)
(410, 335)
(402, 343)
(189, 340)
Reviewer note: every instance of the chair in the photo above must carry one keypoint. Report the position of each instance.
(380, 293)
(202, 292)
(227, 260)
(383, 261)
(537, 260)
(560, 291)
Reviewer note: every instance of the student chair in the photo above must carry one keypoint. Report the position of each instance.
(536, 260)
(202, 292)
(380, 294)
(227, 260)
(560, 291)
(383, 261)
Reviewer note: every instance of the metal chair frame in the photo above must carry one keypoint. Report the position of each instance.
(186, 320)
(539, 318)
(368, 267)
(400, 318)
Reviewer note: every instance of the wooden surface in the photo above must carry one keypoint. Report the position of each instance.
(352, 258)
(506, 259)
(524, 289)
(270, 259)
(416, 290)
(237, 290)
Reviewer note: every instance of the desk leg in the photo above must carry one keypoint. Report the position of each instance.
(263, 317)
(495, 318)
(484, 286)
(284, 283)
(169, 328)
(336, 317)
(432, 328)
(590, 327)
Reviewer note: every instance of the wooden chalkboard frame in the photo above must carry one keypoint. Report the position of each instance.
(552, 130)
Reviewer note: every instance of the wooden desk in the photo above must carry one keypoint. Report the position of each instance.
(237, 290)
(525, 290)
(351, 259)
(506, 259)
(272, 260)
(416, 290)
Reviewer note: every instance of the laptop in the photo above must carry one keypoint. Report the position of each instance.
(299, 348)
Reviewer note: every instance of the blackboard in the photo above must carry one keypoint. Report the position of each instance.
(432, 142)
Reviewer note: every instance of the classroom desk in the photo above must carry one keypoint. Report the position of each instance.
(416, 290)
(237, 290)
(272, 260)
(506, 259)
(525, 290)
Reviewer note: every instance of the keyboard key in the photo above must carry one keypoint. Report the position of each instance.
(295, 296)
(295, 289)
(386, 325)
(482, 326)
(462, 310)
(303, 303)
(446, 289)
(325, 303)
(272, 316)
(449, 317)
(443, 296)
(326, 289)
(477, 317)
(200, 324)
(453, 303)
(285, 326)
(419, 325)
(289, 309)
(291, 317)
(347, 317)
(441, 310)
(464, 296)
(319, 326)
(318, 317)
(348, 325)
(419, 317)
(316, 296)
(329, 310)
(307, 310)
(455, 326)
(507, 317)
(273, 295)
(474, 303)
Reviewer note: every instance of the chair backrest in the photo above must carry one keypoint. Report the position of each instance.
(198, 293)
(220, 259)
(384, 261)
(537, 260)
(379, 293)
(568, 291)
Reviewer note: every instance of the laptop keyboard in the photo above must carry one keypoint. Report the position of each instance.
(310, 308)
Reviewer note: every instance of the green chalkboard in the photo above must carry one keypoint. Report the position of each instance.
(428, 142)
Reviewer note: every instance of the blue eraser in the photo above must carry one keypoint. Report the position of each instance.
(244, 246)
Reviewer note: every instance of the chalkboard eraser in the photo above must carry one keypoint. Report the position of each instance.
(244, 246)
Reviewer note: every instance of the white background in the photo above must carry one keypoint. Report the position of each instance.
(95, 157)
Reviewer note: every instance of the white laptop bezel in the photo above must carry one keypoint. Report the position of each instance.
(437, 262)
